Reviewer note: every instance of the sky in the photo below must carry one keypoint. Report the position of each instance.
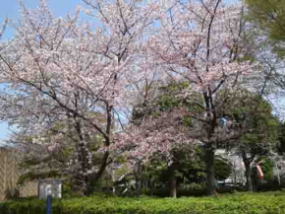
(10, 9)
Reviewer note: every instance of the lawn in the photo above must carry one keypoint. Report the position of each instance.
(238, 203)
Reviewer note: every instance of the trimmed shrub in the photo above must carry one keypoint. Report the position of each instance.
(247, 203)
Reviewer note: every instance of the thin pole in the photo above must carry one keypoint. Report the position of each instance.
(49, 204)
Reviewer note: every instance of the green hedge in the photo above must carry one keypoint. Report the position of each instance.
(239, 203)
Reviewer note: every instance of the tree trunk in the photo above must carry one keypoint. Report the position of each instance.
(138, 177)
(210, 170)
(138, 186)
(173, 180)
(247, 163)
(95, 176)
(173, 186)
(249, 184)
(80, 181)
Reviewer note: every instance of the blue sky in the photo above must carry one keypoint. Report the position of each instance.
(10, 9)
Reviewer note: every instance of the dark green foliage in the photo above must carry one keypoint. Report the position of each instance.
(223, 168)
(190, 173)
(193, 189)
(253, 114)
(160, 173)
(250, 203)
(270, 16)
(267, 167)
(169, 98)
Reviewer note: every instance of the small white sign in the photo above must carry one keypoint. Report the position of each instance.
(51, 187)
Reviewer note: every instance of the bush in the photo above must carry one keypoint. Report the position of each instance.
(193, 189)
(249, 203)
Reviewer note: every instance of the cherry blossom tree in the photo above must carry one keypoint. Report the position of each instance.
(162, 127)
(200, 42)
(197, 41)
(60, 70)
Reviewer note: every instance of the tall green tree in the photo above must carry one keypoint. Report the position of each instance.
(270, 15)
(258, 126)
(168, 100)
(267, 18)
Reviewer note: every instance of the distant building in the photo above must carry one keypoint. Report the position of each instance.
(238, 170)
